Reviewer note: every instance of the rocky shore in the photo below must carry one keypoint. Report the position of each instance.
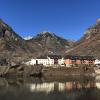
(40, 70)
(20, 71)
(64, 72)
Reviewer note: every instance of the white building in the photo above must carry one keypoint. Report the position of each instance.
(58, 59)
(31, 62)
(61, 61)
(97, 62)
(47, 61)
(44, 61)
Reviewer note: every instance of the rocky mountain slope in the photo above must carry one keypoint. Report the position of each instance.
(89, 44)
(11, 44)
(49, 43)
(13, 47)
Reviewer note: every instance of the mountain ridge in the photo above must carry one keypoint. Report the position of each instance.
(14, 46)
(89, 43)
(45, 43)
(11, 44)
(49, 43)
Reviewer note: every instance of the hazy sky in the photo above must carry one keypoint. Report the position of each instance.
(66, 18)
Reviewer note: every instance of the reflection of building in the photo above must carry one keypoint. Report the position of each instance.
(77, 85)
(68, 85)
(46, 87)
(61, 86)
(97, 79)
(98, 85)
(58, 86)
(43, 87)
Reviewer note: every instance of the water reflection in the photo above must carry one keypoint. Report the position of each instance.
(37, 89)
(97, 80)
(57, 86)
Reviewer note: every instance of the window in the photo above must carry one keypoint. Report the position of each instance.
(73, 61)
(82, 61)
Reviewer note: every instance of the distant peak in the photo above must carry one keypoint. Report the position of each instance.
(28, 37)
(46, 32)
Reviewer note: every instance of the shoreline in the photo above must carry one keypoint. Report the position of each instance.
(64, 72)
(40, 71)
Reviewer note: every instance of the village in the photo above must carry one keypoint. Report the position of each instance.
(53, 65)
(62, 66)
(65, 61)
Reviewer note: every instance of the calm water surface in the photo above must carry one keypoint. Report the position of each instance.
(83, 88)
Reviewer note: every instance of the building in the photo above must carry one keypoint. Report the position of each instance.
(46, 61)
(71, 60)
(58, 59)
(31, 62)
(97, 62)
(49, 60)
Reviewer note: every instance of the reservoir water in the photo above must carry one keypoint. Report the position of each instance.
(71, 88)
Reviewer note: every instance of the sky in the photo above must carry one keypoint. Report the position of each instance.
(66, 18)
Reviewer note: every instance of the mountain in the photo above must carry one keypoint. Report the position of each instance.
(11, 44)
(49, 43)
(14, 47)
(89, 44)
